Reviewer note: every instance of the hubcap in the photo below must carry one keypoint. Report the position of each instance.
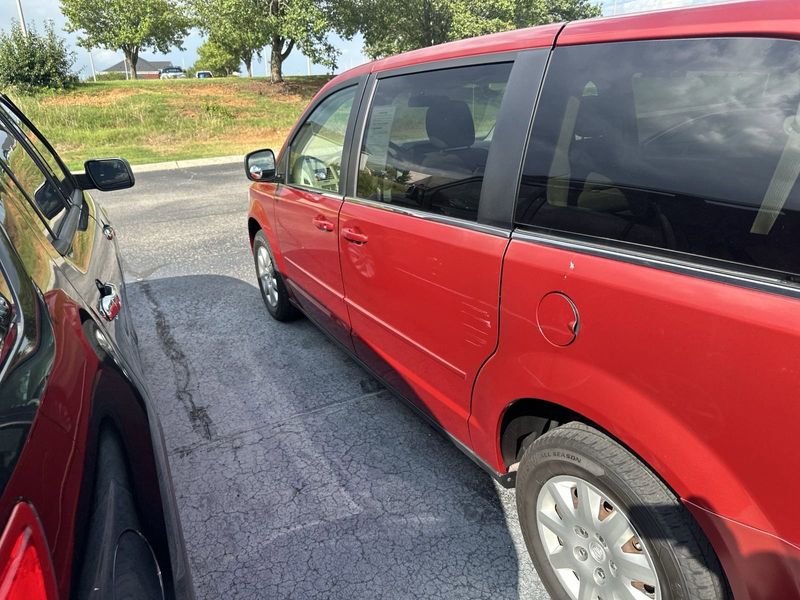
(267, 278)
(591, 545)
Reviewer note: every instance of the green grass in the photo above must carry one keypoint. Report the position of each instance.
(152, 121)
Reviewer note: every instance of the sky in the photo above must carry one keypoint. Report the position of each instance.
(37, 11)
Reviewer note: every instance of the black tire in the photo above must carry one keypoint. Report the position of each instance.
(281, 309)
(112, 567)
(686, 565)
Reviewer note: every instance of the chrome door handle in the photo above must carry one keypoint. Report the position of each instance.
(110, 303)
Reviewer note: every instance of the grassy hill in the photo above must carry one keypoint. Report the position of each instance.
(151, 120)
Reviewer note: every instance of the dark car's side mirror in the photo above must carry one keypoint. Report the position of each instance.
(260, 165)
(107, 175)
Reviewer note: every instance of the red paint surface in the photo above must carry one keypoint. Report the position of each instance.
(50, 468)
(309, 253)
(762, 18)
(26, 572)
(425, 299)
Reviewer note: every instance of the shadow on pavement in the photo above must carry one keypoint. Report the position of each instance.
(298, 475)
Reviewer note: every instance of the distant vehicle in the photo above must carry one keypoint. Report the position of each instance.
(171, 73)
(204, 74)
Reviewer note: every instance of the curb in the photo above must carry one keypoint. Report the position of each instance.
(187, 164)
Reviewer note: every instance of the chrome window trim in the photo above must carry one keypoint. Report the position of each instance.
(643, 258)
(317, 192)
(433, 217)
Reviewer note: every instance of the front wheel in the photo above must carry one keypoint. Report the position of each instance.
(599, 524)
(273, 290)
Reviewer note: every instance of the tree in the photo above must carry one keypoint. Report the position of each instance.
(420, 23)
(127, 25)
(237, 27)
(539, 12)
(245, 27)
(35, 61)
(217, 59)
(304, 24)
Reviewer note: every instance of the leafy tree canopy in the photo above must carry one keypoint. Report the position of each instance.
(35, 61)
(390, 27)
(127, 25)
(217, 59)
(245, 27)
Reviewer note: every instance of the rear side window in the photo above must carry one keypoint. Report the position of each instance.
(683, 145)
(427, 138)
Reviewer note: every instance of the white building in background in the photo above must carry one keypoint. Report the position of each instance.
(619, 7)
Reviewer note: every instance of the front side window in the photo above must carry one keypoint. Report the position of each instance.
(24, 172)
(44, 154)
(427, 138)
(683, 145)
(315, 155)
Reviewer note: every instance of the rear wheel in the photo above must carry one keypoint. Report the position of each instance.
(119, 562)
(599, 524)
(273, 289)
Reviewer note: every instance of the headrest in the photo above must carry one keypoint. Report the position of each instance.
(592, 119)
(449, 124)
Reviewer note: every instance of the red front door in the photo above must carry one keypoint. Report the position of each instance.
(307, 212)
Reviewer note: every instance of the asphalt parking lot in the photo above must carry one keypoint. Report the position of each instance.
(297, 475)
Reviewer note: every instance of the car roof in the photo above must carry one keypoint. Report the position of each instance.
(776, 18)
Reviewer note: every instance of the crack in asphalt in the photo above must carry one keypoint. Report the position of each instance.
(133, 274)
(187, 449)
(198, 415)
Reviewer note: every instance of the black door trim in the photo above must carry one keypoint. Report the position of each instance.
(507, 152)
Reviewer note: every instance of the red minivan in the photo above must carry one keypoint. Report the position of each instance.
(576, 249)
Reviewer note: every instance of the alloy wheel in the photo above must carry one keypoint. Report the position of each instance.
(266, 276)
(591, 544)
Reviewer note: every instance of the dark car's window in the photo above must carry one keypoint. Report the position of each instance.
(427, 138)
(51, 162)
(25, 172)
(315, 156)
(684, 145)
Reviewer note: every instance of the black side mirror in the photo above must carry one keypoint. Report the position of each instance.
(107, 175)
(260, 165)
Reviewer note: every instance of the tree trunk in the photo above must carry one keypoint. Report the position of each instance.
(279, 54)
(276, 60)
(247, 59)
(132, 56)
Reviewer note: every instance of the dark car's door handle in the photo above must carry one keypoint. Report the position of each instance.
(110, 303)
(352, 234)
(320, 222)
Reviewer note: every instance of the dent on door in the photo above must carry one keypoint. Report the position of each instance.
(423, 304)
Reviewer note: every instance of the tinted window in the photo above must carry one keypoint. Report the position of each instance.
(25, 172)
(39, 148)
(315, 156)
(427, 138)
(686, 145)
